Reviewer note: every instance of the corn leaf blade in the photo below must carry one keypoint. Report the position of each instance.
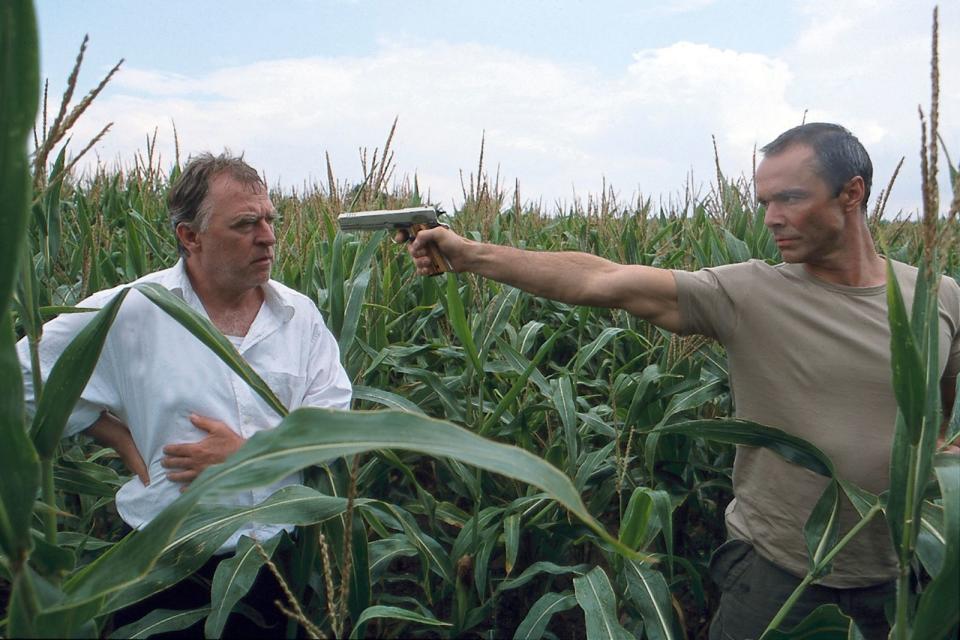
(232, 580)
(535, 622)
(69, 376)
(648, 589)
(595, 596)
(938, 612)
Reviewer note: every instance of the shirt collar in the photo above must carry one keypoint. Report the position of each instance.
(277, 297)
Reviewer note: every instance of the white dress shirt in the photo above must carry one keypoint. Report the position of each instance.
(152, 374)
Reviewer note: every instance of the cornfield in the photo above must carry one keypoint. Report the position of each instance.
(514, 467)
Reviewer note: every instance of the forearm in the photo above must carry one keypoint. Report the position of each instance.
(571, 277)
(566, 276)
(110, 431)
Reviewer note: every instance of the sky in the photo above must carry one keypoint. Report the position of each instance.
(567, 96)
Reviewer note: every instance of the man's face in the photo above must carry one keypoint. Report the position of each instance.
(234, 252)
(806, 218)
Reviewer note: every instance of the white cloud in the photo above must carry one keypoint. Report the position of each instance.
(553, 126)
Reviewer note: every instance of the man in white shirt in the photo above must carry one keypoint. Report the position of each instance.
(161, 399)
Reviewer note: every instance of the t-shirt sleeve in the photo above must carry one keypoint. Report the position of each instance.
(706, 306)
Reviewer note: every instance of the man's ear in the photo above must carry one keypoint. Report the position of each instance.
(853, 193)
(189, 238)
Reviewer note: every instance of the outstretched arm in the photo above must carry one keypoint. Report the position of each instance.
(571, 277)
(109, 431)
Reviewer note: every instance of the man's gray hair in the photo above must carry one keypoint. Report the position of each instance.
(187, 200)
(839, 155)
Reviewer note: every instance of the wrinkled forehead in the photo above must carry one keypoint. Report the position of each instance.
(227, 195)
(227, 181)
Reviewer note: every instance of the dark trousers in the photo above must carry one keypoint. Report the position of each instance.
(194, 592)
(753, 589)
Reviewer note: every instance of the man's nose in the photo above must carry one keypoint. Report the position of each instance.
(265, 232)
(772, 216)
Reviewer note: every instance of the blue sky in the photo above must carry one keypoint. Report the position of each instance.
(570, 95)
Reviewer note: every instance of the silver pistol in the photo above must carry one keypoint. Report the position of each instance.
(410, 221)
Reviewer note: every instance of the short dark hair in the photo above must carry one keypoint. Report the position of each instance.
(187, 200)
(838, 153)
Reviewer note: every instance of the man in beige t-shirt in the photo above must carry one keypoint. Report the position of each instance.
(809, 352)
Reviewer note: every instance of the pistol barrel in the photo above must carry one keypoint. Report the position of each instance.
(388, 219)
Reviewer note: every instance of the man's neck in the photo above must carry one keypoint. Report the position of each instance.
(855, 263)
(232, 312)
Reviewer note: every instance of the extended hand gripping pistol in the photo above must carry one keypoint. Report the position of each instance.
(410, 221)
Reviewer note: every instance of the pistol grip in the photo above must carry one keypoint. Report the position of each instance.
(440, 263)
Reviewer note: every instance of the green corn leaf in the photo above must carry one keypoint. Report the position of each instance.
(564, 401)
(68, 378)
(915, 364)
(432, 554)
(20, 82)
(359, 595)
(521, 380)
(51, 206)
(23, 606)
(352, 313)
(527, 335)
(637, 519)
(481, 562)
(733, 431)
(35, 611)
(511, 541)
(87, 478)
(385, 551)
(737, 249)
(458, 320)
(861, 499)
(211, 337)
(648, 589)
(908, 377)
(311, 436)
(520, 365)
(595, 596)
(497, 316)
(537, 568)
(178, 542)
(385, 398)
(693, 398)
(663, 506)
(50, 559)
(932, 538)
(587, 353)
(18, 458)
(535, 622)
(335, 285)
(394, 613)
(366, 253)
(826, 622)
(161, 621)
(821, 528)
(938, 612)
(233, 579)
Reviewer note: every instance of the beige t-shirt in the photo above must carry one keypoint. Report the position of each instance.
(813, 359)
